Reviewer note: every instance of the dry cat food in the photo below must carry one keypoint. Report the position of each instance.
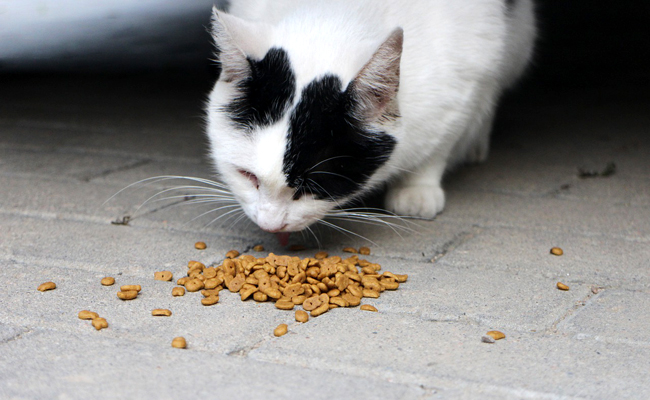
(368, 307)
(127, 294)
(85, 314)
(108, 281)
(179, 342)
(166, 276)
(125, 288)
(161, 312)
(301, 316)
(178, 291)
(200, 245)
(496, 335)
(100, 323)
(556, 251)
(317, 284)
(280, 330)
(259, 247)
(562, 286)
(46, 286)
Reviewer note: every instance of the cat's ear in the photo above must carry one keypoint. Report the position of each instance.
(374, 89)
(236, 40)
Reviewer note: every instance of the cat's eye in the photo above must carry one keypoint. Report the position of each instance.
(251, 177)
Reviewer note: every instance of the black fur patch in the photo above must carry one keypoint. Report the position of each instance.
(264, 96)
(330, 154)
(510, 4)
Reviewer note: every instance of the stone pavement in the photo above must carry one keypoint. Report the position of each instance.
(67, 144)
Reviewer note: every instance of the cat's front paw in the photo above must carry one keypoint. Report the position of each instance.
(416, 201)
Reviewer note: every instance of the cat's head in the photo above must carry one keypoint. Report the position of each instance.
(291, 152)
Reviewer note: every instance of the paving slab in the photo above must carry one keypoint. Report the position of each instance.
(410, 350)
(614, 316)
(597, 260)
(71, 366)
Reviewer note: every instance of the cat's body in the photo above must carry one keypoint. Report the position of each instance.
(322, 101)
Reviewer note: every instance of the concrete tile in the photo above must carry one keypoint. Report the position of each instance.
(409, 350)
(614, 316)
(9, 332)
(17, 162)
(495, 210)
(515, 299)
(72, 366)
(597, 260)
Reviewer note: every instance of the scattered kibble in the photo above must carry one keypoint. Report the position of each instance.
(166, 276)
(562, 286)
(350, 250)
(280, 330)
(85, 314)
(127, 294)
(232, 254)
(200, 245)
(179, 342)
(496, 335)
(302, 316)
(43, 287)
(178, 291)
(100, 323)
(556, 251)
(364, 251)
(259, 247)
(125, 288)
(367, 307)
(108, 281)
(161, 312)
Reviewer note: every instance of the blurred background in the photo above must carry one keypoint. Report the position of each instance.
(582, 42)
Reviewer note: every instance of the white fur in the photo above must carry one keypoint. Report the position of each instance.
(458, 57)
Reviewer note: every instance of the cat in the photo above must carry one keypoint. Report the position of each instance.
(320, 102)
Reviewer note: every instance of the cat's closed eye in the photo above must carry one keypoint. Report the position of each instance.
(251, 177)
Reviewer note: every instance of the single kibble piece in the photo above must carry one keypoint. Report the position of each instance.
(200, 245)
(321, 255)
(280, 330)
(194, 285)
(108, 281)
(368, 307)
(210, 300)
(302, 316)
(350, 250)
(166, 276)
(161, 312)
(556, 251)
(85, 314)
(100, 323)
(562, 286)
(496, 335)
(259, 247)
(46, 286)
(364, 251)
(125, 288)
(179, 342)
(178, 291)
(232, 254)
(127, 295)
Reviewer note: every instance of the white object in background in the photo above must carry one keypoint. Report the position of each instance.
(41, 34)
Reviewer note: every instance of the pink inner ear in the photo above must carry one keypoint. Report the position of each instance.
(251, 177)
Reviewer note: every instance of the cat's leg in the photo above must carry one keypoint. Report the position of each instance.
(473, 146)
(419, 193)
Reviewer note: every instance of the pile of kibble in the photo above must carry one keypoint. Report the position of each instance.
(317, 283)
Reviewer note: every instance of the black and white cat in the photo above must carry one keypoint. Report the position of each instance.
(321, 101)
